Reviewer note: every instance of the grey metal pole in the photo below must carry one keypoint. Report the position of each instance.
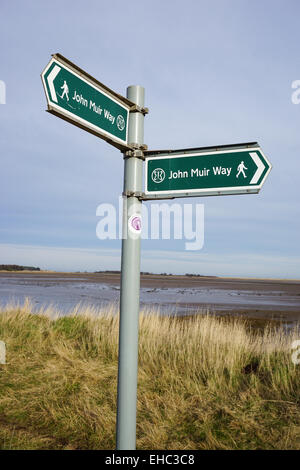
(130, 279)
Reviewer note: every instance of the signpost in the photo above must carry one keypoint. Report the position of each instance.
(75, 96)
(232, 169)
(130, 279)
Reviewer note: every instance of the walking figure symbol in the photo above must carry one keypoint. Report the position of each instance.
(241, 169)
(65, 89)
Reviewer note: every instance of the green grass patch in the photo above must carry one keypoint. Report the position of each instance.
(204, 383)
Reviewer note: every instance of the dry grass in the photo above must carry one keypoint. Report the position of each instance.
(58, 388)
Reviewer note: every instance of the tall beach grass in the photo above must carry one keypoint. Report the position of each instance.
(204, 382)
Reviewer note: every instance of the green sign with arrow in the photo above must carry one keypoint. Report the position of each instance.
(235, 169)
(77, 97)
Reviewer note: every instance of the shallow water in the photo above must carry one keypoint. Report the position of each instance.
(65, 293)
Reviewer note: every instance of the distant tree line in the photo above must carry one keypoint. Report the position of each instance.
(107, 271)
(16, 267)
(155, 274)
(198, 275)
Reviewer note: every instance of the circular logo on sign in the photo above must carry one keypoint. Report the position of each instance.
(120, 122)
(158, 175)
(135, 223)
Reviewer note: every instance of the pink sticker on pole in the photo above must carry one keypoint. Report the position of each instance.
(135, 223)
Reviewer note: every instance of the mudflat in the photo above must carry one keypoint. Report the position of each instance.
(290, 286)
(274, 299)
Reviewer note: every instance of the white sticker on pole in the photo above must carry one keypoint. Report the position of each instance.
(135, 224)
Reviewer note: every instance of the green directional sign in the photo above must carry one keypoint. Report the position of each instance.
(236, 169)
(77, 97)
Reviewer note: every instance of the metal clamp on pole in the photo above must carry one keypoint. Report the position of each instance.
(138, 194)
(136, 153)
(139, 109)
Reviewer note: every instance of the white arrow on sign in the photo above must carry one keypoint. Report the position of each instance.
(260, 167)
(51, 77)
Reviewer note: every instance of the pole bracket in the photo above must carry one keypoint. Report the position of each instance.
(139, 109)
(136, 152)
(135, 146)
(138, 194)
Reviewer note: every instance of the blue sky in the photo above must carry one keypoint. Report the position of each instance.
(215, 72)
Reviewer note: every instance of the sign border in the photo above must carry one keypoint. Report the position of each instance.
(78, 121)
(205, 191)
